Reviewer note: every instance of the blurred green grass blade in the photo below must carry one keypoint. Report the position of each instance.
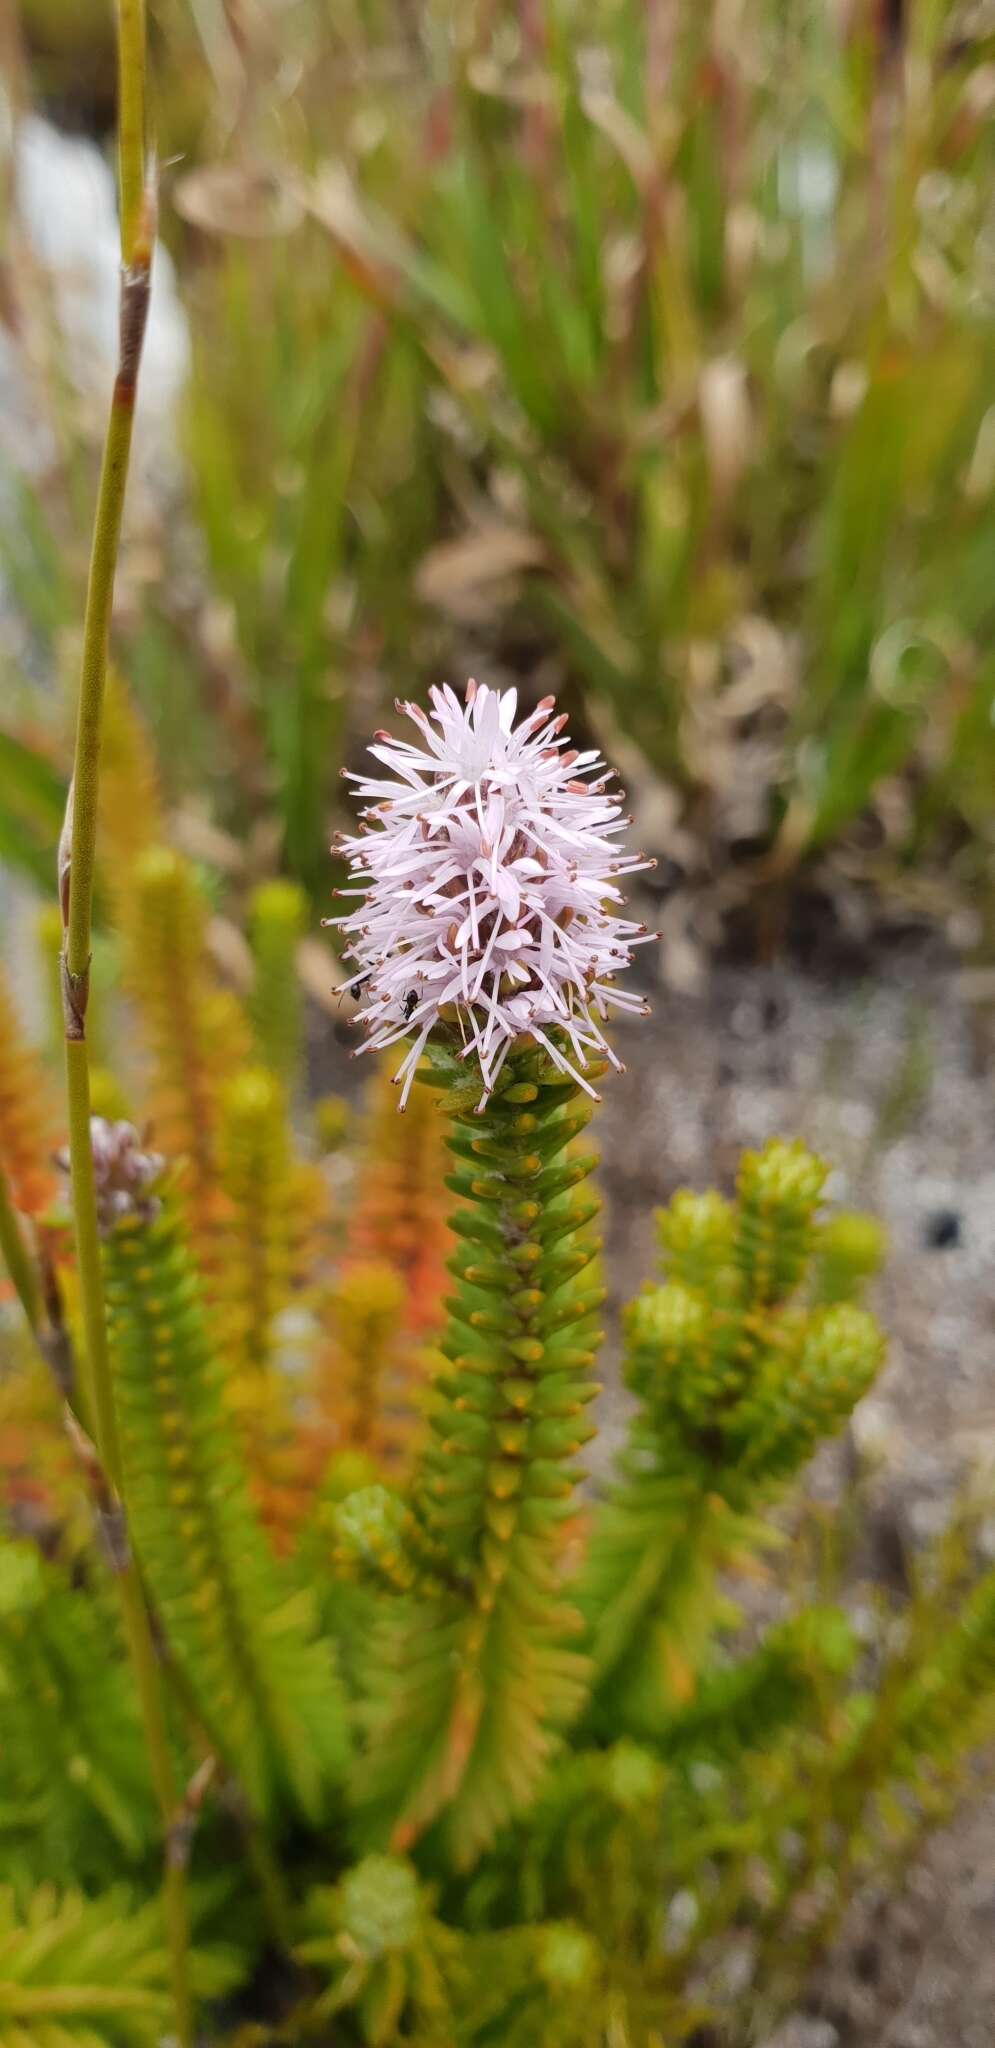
(32, 804)
(580, 144)
(498, 319)
(33, 562)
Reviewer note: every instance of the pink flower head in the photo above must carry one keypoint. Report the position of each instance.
(488, 864)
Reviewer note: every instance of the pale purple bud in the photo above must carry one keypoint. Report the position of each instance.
(123, 1171)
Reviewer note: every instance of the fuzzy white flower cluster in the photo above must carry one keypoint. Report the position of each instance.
(488, 867)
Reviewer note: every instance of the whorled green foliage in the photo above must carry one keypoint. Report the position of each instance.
(242, 1634)
(695, 1234)
(736, 1382)
(404, 1976)
(590, 1845)
(614, 1830)
(748, 1702)
(849, 1251)
(948, 1702)
(476, 1678)
(381, 1541)
(777, 1193)
(278, 914)
(347, 1593)
(74, 1793)
(563, 1984)
(78, 1972)
(385, 1956)
(897, 1763)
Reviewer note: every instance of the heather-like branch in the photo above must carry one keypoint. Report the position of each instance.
(478, 1681)
(195, 1031)
(359, 1381)
(262, 1687)
(736, 1385)
(26, 1115)
(399, 1213)
(70, 1746)
(272, 1205)
(277, 923)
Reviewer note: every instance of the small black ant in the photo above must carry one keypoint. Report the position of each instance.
(409, 1005)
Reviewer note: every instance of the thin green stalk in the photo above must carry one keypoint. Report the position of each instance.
(76, 873)
(98, 1388)
(37, 1291)
(273, 1892)
(131, 123)
(76, 868)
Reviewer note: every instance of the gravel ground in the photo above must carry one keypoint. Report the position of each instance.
(889, 1080)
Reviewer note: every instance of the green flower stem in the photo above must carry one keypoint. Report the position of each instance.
(492, 1672)
(520, 1337)
(76, 869)
(131, 124)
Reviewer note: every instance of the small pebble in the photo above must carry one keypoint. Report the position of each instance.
(804, 2031)
(942, 1230)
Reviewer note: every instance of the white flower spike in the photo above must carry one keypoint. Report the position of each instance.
(488, 866)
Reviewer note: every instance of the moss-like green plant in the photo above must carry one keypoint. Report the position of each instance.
(474, 1685)
(736, 1384)
(277, 922)
(73, 1792)
(263, 1687)
(271, 1205)
(131, 819)
(272, 1202)
(39, 1484)
(384, 1954)
(79, 1972)
(27, 1115)
(361, 1386)
(500, 1762)
(947, 1700)
(399, 1214)
(849, 1251)
(193, 1029)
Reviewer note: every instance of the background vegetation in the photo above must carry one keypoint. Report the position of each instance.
(638, 351)
(647, 348)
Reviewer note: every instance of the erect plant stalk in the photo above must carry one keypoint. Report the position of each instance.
(131, 124)
(491, 1664)
(488, 937)
(76, 870)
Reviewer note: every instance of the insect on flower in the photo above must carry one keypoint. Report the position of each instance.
(488, 867)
